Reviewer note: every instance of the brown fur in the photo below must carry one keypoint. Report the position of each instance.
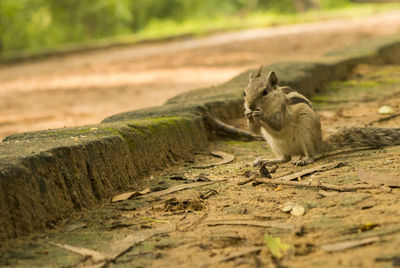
(290, 125)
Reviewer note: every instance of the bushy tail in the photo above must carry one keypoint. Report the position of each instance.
(357, 137)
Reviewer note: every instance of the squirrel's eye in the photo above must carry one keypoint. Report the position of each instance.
(244, 93)
(265, 92)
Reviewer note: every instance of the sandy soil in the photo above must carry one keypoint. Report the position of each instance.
(85, 88)
(225, 224)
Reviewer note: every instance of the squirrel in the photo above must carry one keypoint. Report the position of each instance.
(289, 123)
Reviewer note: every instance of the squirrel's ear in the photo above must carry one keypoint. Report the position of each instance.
(259, 71)
(251, 77)
(272, 79)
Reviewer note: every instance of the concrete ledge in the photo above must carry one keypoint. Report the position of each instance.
(47, 175)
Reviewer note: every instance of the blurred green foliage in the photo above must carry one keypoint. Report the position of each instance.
(38, 24)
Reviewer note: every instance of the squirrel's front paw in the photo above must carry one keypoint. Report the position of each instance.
(248, 113)
(257, 113)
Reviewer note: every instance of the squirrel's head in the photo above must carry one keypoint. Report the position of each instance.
(261, 92)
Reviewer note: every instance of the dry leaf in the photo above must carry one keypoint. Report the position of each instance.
(146, 193)
(279, 188)
(179, 178)
(226, 158)
(72, 227)
(96, 256)
(158, 220)
(128, 195)
(179, 187)
(368, 226)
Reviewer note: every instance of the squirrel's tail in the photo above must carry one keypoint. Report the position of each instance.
(357, 137)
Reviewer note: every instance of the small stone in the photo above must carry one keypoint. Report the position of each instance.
(386, 110)
(287, 207)
(298, 211)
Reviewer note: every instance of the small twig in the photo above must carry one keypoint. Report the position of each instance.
(246, 181)
(325, 186)
(252, 222)
(383, 119)
(349, 244)
(209, 193)
(193, 224)
(230, 130)
(294, 176)
(380, 234)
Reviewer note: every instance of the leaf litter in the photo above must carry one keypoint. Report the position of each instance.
(146, 194)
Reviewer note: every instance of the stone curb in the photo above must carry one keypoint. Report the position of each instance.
(45, 176)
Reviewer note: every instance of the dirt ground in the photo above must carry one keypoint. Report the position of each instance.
(227, 223)
(85, 88)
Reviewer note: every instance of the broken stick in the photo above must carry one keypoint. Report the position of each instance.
(309, 171)
(294, 176)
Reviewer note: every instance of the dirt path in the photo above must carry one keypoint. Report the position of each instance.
(224, 224)
(84, 88)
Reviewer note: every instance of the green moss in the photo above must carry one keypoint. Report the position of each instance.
(36, 254)
(150, 127)
(153, 125)
(98, 131)
(370, 82)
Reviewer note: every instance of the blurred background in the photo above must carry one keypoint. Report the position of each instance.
(74, 62)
